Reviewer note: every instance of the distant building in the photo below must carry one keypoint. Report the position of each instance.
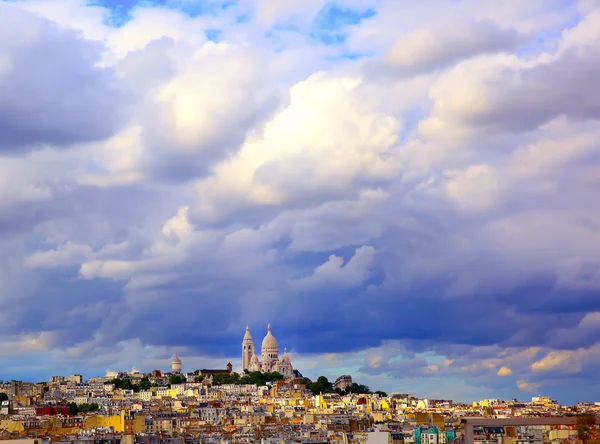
(76, 378)
(176, 365)
(205, 372)
(343, 382)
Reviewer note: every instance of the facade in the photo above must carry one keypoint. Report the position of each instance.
(269, 356)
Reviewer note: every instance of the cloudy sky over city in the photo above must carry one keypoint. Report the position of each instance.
(407, 190)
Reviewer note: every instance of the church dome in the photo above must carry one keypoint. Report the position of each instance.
(286, 357)
(254, 359)
(269, 342)
(176, 360)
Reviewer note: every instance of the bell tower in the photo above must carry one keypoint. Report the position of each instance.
(247, 349)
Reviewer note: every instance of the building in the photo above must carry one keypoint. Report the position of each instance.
(76, 378)
(269, 356)
(343, 382)
(176, 365)
(210, 373)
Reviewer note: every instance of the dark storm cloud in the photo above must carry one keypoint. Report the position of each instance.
(52, 92)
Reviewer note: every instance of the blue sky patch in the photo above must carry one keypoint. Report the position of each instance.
(214, 35)
(330, 25)
(121, 9)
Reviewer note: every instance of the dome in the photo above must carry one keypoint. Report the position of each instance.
(176, 360)
(247, 335)
(254, 359)
(286, 357)
(269, 342)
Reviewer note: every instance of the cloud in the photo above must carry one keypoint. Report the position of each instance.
(424, 50)
(53, 92)
(466, 98)
(191, 123)
(504, 371)
(527, 386)
(435, 227)
(335, 272)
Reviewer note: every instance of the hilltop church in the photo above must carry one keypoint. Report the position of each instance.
(269, 356)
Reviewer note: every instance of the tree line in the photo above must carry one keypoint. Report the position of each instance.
(322, 385)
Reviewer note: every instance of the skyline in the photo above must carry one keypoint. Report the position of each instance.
(406, 192)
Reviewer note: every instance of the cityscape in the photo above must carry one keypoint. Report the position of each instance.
(268, 401)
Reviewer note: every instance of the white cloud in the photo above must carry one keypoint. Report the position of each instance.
(427, 49)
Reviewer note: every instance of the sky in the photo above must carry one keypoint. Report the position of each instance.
(406, 191)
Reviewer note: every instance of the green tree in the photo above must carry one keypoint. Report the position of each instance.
(145, 384)
(124, 384)
(93, 407)
(586, 426)
(381, 393)
(273, 376)
(226, 378)
(199, 378)
(358, 389)
(3, 396)
(73, 409)
(322, 385)
(176, 379)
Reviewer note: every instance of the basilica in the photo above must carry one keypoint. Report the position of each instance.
(269, 356)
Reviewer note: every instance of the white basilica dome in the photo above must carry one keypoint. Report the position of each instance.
(269, 342)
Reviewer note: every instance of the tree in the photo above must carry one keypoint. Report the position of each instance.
(273, 376)
(145, 384)
(586, 426)
(3, 396)
(199, 378)
(359, 389)
(176, 379)
(322, 385)
(226, 378)
(93, 407)
(381, 393)
(124, 384)
(73, 409)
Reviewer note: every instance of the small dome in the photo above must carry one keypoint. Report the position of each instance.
(247, 335)
(176, 360)
(254, 359)
(269, 342)
(286, 357)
